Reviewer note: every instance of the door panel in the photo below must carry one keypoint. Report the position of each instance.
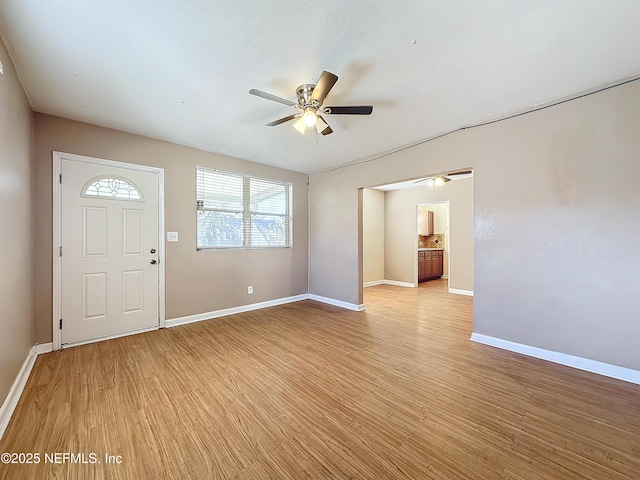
(110, 222)
(94, 295)
(94, 229)
(132, 228)
(132, 291)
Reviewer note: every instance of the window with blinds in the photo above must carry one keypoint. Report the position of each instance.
(236, 210)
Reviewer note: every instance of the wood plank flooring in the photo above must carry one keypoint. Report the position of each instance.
(307, 390)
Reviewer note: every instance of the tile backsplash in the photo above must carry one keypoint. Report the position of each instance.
(432, 241)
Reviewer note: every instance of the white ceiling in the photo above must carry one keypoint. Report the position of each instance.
(181, 70)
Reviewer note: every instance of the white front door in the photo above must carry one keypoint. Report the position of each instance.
(109, 237)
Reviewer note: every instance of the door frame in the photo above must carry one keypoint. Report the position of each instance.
(447, 244)
(58, 157)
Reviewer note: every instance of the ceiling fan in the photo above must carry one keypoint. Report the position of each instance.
(309, 104)
(439, 180)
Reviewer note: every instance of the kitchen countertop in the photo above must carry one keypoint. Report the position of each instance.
(424, 249)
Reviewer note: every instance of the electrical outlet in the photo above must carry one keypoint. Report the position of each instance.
(250, 289)
(172, 236)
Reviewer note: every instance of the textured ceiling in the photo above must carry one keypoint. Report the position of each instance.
(181, 70)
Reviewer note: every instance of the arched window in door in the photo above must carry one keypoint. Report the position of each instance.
(114, 187)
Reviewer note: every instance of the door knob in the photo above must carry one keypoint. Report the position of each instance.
(154, 261)
(153, 250)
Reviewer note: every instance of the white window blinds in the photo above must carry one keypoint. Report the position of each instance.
(237, 210)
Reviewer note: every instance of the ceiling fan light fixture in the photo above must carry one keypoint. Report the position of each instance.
(440, 180)
(299, 125)
(437, 181)
(309, 117)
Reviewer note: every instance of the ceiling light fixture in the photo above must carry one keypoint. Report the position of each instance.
(309, 117)
(299, 125)
(438, 181)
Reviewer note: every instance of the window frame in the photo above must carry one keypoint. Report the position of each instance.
(247, 212)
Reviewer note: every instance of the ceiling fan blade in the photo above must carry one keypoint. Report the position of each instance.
(268, 96)
(322, 126)
(299, 125)
(467, 172)
(282, 120)
(325, 83)
(359, 110)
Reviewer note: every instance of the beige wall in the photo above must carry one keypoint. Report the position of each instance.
(16, 298)
(400, 237)
(556, 224)
(196, 281)
(372, 235)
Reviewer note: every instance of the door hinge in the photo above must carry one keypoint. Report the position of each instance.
(60, 250)
(60, 178)
(60, 324)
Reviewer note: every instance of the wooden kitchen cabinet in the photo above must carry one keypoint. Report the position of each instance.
(425, 222)
(437, 263)
(424, 265)
(430, 264)
(421, 271)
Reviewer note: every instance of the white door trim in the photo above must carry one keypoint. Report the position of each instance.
(58, 157)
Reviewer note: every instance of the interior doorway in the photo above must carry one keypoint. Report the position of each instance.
(436, 242)
(389, 240)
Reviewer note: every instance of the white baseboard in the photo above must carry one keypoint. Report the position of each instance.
(198, 317)
(337, 303)
(461, 292)
(388, 282)
(593, 366)
(399, 284)
(43, 348)
(11, 401)
(445, 276)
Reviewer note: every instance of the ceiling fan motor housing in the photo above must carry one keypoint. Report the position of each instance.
(304, 93)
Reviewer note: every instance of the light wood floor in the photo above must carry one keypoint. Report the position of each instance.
(307, 390)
